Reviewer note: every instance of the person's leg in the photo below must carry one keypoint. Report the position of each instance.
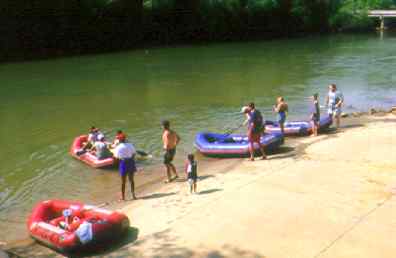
(168, 172)
(195, 186)
(262, 149)
(190, 183)
(173, 168)
(123, 180)
(131, 178)
(251, 150)
(337, 117)
(282, 127)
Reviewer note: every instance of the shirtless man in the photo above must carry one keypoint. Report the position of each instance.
(281, 108)
(170, 140)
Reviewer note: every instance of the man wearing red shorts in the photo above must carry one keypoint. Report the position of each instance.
(255, 130)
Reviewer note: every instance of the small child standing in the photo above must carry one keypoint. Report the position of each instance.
(191, 173)
(315, 115)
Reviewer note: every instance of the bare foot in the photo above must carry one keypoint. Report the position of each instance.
(251, 159)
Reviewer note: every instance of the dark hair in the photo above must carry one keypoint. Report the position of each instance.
(315, 95)
(93, 128)
(165, 124)
(251, 105)
(190, 157)
(119, 131)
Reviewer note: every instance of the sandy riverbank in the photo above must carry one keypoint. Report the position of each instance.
(330, 196)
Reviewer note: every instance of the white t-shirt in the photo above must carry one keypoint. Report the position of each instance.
(124, 150)
(334, 97)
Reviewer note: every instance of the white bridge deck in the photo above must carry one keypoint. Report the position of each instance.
(382, 13)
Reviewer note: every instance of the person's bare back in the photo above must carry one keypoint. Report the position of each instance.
(170, 139)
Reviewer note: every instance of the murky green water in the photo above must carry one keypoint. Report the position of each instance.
(44, 105)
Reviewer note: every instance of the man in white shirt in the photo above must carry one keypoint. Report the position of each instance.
(125, 152)
(334, 101)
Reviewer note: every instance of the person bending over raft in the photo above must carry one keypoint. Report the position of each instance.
(92, 137)
(315, 114)
(170, 140)
(255, 130)
(334, 101)
(281, 108)
(125, 152)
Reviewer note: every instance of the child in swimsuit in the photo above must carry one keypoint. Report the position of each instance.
(191, 172)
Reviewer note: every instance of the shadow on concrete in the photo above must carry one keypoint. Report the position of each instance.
(201, 178)
(101, 249)
(210, 191)
(156, 195)
(165, 245)
(282, 150)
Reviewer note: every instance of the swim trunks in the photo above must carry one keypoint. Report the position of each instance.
(169, 155)
(127, 166)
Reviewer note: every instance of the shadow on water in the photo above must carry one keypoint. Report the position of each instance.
(157, 195)
(210, 191)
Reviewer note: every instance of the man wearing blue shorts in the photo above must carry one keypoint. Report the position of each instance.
(125, 152)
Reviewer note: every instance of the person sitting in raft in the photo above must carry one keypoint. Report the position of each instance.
(100, 148)
(315, 114)
(281, 108)
(92, 138)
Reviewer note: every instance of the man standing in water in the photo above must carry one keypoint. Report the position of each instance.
(334, 101)
(255, 130)
(170, 140)
(125, 152)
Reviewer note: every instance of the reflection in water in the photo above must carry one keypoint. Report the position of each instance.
(45, 104)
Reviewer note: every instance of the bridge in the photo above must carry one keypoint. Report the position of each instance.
(382, 14)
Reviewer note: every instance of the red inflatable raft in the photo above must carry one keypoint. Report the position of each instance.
(82, 226)
(87, 157)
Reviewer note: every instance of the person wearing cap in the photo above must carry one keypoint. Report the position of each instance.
(100, 148)
(334, 102)
(170, 140)
(120, 135)
(255, 130)
(125, 152)
(245, 110)
(315, 114)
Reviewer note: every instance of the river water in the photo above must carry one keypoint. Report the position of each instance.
(45, 104)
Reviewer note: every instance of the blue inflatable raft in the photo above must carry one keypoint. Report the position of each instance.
(297, 127)
(223, 145)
